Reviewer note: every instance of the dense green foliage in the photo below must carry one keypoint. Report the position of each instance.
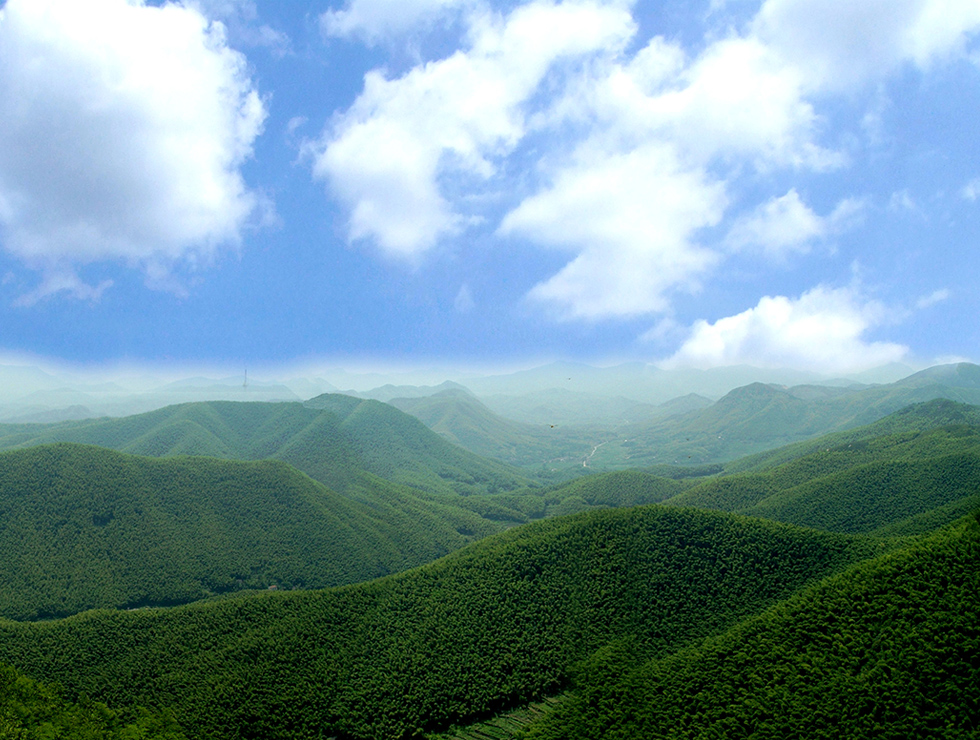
(889, 649)
(863, 485)
(84, 527)
(917, 417)
(31, 711)
(610, 490)
(334, 439)
(598, 491)
(496, 624)
(653, 621)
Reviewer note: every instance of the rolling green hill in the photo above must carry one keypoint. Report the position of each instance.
(858, 482)
(917, 417)
(652, 621)
(32, 711)
(333, 438)
(494, 625)
(888, 649)
(400, 448)
(84, 527)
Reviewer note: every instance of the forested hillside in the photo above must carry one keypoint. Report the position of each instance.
(917, 417)
(494, 625)
(32, 711)
(84, 527)
(888, 649)
(911, 481)
(334, 439)
(622, 621)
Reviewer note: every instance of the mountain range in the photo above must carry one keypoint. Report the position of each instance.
(822, 588)
(690, 430)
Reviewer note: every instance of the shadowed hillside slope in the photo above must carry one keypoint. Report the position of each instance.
(887, 649)
(493, 625)
(84, 527)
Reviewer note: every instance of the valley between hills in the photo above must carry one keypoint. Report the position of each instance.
(782, 561)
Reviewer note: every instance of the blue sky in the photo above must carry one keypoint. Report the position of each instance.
(782, 183)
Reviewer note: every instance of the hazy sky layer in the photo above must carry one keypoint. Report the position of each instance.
(227, 182)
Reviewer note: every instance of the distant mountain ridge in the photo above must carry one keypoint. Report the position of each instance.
(333, 438)
(761, 416)
(688, 430)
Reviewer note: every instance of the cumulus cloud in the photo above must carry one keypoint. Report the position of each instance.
(634, 154)
(122, 133)
(786, 225)
(746, 99)
(631, 218)
(386, 155)
(823, 330)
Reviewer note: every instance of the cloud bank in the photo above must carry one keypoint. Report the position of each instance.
(122, 134)
(636, 152)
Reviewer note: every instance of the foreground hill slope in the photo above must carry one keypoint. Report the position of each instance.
(332, 438)
(493, 625)
(84, 527)
(32, 711)
(888, 649)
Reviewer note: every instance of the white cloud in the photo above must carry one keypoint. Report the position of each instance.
(385, 156)
(634, 155)
(632, 207)
(901, 201)
(822, 330)
(631, 217)
(737, 99)
(840, 44)
(377, 19)
(122, 132)
(63, 281)
(785, 225)
(778, 227)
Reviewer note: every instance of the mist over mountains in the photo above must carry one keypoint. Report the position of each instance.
(29, 393)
